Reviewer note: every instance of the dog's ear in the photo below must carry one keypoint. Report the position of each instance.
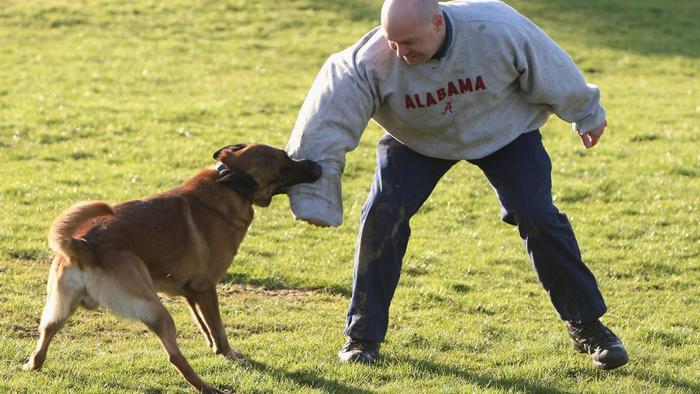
(241, 182)
(232, 148)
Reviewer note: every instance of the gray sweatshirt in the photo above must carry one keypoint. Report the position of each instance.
(501, 76)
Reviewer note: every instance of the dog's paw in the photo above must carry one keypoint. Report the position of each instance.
(234, 356)
(211, 390)
(30, 366)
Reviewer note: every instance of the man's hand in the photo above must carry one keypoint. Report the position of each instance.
(591, 137)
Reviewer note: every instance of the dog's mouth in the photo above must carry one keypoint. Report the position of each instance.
(311, 171)
(294, 173)
(305, 171)
(280, 190)
(284, 189)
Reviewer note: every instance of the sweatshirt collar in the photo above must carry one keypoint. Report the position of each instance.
(448, 38)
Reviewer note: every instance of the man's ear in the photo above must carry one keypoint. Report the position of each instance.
(232, 148)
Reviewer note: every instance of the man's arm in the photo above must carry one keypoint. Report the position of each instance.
(549, 76)
(330, 123)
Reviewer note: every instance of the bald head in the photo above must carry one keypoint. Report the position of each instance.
(397, 14)
(414, 29)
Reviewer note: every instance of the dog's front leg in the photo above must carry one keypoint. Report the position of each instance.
(205, 308)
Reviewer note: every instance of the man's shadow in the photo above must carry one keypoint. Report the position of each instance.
(312, 379)
(483, 381)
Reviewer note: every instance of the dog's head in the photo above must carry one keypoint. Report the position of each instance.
(262, 171)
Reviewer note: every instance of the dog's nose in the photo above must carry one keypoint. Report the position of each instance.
(316, 170)
(306, 171)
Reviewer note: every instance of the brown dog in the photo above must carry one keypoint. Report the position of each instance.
(179, 243)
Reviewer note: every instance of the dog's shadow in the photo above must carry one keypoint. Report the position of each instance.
(306, 378)
(270, 283)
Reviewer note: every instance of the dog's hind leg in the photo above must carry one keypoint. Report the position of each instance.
(197, 315)
(161, 323)
(205, 305)
(63, 293)
(128, 290)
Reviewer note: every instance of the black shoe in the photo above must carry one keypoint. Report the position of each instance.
(359, 351)
(596, 340)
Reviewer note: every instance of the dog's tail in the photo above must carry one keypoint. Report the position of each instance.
(63, 228)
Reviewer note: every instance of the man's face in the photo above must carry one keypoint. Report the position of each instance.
(414, 45)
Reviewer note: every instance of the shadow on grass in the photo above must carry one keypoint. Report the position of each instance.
(643, 26)
(515, 384)
(269, 283)
(306, 378)
(483, 381)
(354, 10)
(665, 381)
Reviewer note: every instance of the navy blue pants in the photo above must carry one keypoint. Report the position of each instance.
(520, 173)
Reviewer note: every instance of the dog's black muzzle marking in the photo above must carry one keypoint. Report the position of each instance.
(301, 171)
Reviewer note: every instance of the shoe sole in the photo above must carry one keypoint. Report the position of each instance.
(358, 358)
(609, 366)
(598, 364)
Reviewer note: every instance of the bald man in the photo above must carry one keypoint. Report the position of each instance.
(459, 81)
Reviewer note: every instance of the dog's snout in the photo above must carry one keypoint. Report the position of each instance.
(307, 170)
(302, 171)
(310, 169)
(315, 171)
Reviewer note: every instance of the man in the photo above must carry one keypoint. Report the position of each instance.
(472, 81)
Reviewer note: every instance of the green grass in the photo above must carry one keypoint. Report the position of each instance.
(119, 100)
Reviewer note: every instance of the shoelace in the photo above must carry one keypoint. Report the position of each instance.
(594, 334)
(356, 344)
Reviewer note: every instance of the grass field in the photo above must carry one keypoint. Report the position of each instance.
(116, 100)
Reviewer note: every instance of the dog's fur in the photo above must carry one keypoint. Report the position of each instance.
(178, 243)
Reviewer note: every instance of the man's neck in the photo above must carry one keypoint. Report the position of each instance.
(445, 37)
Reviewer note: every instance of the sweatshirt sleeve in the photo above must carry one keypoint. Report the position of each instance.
(332, 119)
(549, 76)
